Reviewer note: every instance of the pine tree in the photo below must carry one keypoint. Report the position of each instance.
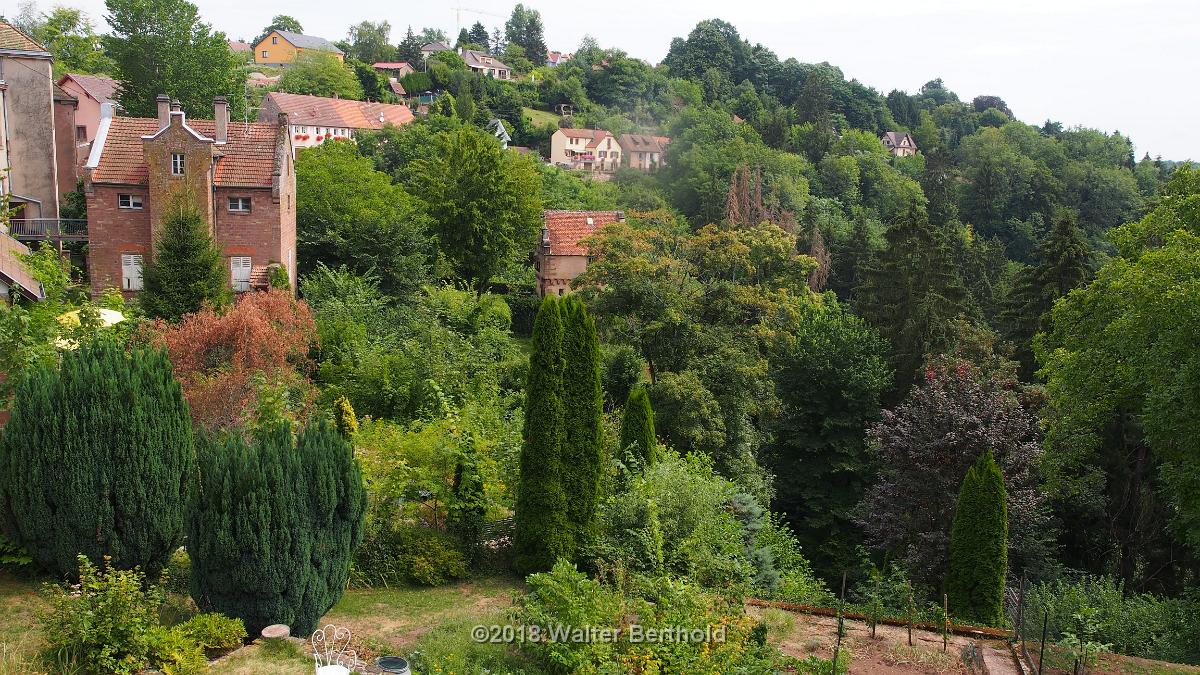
(463, 38)
(542, 533)
(186, 270)
(274, 524)
(1062, 266)
(979, 545)
(637, 427)
(583, 412)
(478, 35)
(409, 49)
(97, 459)
(913, 294)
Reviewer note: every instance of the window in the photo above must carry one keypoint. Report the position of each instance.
(274, 39)
(264, 53)
(177, 164)
(129, 201)
(603, 153)
(81, 134)
(239, 205)
(560, 291)
(131, 271)
(239, 267)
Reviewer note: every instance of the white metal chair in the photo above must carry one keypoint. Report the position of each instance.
(331, 651)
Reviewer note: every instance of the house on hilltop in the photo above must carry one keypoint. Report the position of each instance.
(431, 48)
(282, 48)
(314, 119)
(899, 143)
(585, 149)
(241, 176)
(486, 64)
(644, 152)
(561, 255)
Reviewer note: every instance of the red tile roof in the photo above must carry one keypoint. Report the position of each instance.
(568, 228)
(100, 88)
(248, 159)
(14, 38)
(13, 272)
(239, 46)
(390, 65)
(643, 143)
(581, 133)
(335, 112)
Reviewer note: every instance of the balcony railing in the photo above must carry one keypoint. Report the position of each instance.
(48, 229)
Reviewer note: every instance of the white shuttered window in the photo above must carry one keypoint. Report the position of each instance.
(131, 271)
(240, 272)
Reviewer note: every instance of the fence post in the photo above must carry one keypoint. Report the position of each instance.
(1042, 649)
(1019, 628)
(912, 610)
(945, 621)
(837, 647)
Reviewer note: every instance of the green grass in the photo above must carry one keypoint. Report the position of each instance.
(20, 641)
(541, 117)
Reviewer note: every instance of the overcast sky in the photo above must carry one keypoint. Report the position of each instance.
(1132, 66)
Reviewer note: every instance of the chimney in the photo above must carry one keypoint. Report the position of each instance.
(175, 107)
(221, 115)
(164, 110)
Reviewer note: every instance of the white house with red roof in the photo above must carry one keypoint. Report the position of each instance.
(562, 255)
(315, 119)
(585, 149)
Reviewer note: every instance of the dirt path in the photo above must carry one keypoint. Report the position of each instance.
(999, 660)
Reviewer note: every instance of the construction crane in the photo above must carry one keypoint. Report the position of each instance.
(460, 9)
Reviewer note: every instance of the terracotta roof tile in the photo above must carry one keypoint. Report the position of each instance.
(568, 228)
(336, 112)
(579, 133)
(12, 271)
(100, 88)
(390, 65)
(643, 143)
(248, 159)
(12, 37)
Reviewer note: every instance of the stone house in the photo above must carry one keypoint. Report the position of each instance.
(314, 119)
(282, 48)
(561, 255)
(899, 143)
(586, 149)
(241, 176)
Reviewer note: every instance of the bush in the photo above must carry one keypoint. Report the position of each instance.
(274, 525)
(1139, 624)
(103, 623)
(173, 653)
(80, 473)
(622, 371)
(406, 555)
(213, 631)
(178, 573)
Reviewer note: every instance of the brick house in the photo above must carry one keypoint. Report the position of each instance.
(240, 175)
(561, 256)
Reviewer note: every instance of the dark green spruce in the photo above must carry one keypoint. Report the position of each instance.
(186, 270)
(637, 428)
(273, 525)
(97, 459)
(583, 413)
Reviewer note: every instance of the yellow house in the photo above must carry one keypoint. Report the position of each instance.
(281, 47)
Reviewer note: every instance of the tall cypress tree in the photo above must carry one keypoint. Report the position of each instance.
(637, 427)
(583, 411)
(97, 459)
(274, 524)
(1062, 266)
(979, 545)
(542, 532)
(912, 294)
(186, 270)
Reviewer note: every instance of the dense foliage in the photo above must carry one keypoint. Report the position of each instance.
(273, 525)
(84, 474)
(186, 271)
(637, 428)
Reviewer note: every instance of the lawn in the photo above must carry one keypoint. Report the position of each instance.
(433, 621)
(541, 117)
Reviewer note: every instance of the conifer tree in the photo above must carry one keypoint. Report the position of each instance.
(1062, 266)
(979, 545)
(913, 294)
(637, 427)
(542, 533)
(97, 459)
(583, 412)
(274, 524)
(186, 270)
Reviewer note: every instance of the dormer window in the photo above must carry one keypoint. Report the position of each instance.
(177, 164)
